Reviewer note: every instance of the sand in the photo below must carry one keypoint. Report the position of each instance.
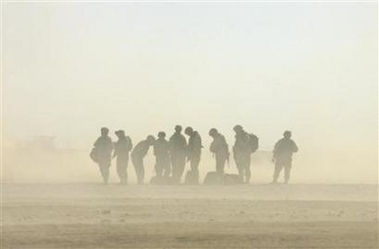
(254, 216)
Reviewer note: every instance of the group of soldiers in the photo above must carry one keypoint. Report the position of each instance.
(173, 154)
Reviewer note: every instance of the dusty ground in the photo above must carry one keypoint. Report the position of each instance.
(257, 216)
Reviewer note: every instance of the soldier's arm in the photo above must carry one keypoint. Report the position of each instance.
(96, 143)
(184, 141)
(213, 147)
(275, 151)
(171, 143)
(137, 149)
(155, 149)
(130, 144)
(234, 151)
(197, 142)
(200, 143)
(167, 145)
(224, 144)
(294, 147)
(188, 146)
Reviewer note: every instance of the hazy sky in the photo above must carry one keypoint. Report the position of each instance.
(70, 68)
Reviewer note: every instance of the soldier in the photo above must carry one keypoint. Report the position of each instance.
(103, 152)
(162, 155)
(242, 153)
(282, 156)
(220, 149)
(122, 148)
(138, 153)
(194, 152)
(178, 145)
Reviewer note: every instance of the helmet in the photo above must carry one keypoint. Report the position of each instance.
(161, 134)
(150, 139)
(104, 130)
(188, 130)
(238, 128)
(178, 128)
(213, 132)
(120, 133)
(287, 134)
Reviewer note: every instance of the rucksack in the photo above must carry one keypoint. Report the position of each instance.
(93, 155)
(253, 142)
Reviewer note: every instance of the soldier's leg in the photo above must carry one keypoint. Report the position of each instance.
(166, 168)
(247, 173)
(106, 174)
(142, 175)
(135, 165)
(158, 168)
(104, 170)
(101, 170)
(240, 170)
(121, 169)
(126, 170)
(278, 168)
(138, 166)
(175, 172)
(220, 164)
(195, 168)
(181, 166)
(247, 168)
(287, 172)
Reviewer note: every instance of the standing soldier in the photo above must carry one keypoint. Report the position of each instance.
(282, 156)
(220, 150)
(102, 153)
(242, 153)
(178, 145)
(138, 153)
(162, 155)
(194, 152)
(122, 148)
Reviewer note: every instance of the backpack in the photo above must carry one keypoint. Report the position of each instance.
(253, 142)
(93, 155)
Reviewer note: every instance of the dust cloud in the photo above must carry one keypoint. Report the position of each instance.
(71, 68)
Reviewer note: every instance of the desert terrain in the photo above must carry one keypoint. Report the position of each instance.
(247, 216)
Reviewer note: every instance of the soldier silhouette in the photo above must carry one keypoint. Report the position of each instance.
(178, 146)
(102, 152)
(220, 150)
(162, 155)
(194, 152)
(138, 154)
(121, 152)
(242, 153)
(282, 156)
